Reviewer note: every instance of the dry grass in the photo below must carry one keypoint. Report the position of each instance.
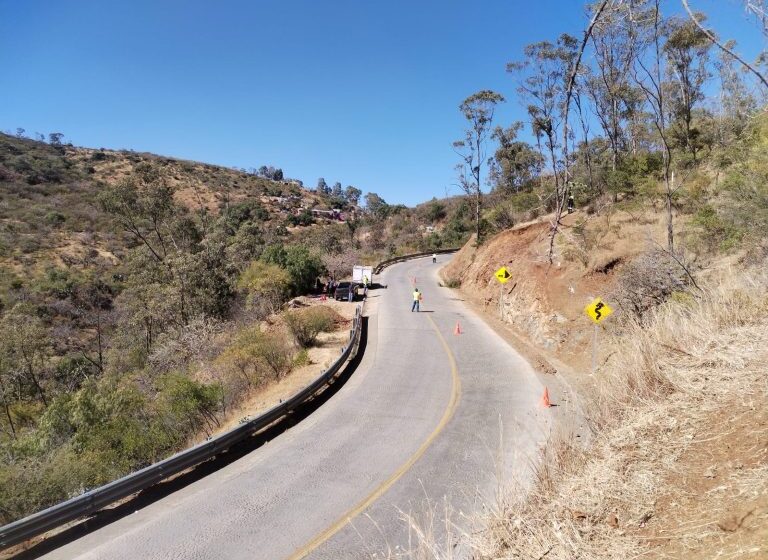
(678, 461)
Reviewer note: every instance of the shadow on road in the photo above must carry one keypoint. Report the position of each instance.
(163, 489)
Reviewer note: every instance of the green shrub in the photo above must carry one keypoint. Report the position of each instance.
(306, 324)
(55, 218)
(254, 355)
(303, 219)
(716, 232)
(302, 265)
(266, 285)
(190, 402)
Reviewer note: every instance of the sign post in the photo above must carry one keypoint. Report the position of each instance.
(503, 276)
(598, 310)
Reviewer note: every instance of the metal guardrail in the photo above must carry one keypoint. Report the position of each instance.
(384, 264)
(94, 500)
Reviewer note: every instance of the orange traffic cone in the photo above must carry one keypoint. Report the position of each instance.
(545, 399)
(457, 330)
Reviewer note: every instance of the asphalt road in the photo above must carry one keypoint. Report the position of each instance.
(429, 418)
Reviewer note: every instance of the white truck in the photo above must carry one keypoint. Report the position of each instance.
(362, 274)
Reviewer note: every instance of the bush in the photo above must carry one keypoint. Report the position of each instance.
(452, 283)
(191, 403)
(266, 285)
(306, 324)
(716, 232)
(303, 219)
(302, 265)
(254, 355)
(55, 218)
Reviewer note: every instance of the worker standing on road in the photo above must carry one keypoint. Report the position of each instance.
(434, 258)
(365, 286)
(416, 300)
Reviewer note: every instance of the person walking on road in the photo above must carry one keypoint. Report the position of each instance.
(416, 300)
(434, 258)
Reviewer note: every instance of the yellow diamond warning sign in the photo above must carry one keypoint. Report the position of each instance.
(598, 310)
(503, 275)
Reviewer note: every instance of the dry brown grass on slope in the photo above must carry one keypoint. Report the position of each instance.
(660, 477)
(678, 463)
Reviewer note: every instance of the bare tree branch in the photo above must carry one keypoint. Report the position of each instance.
(721, 46)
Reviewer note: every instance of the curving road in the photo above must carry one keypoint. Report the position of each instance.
(422, 422)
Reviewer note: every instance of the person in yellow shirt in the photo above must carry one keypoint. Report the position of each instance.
(417, 297)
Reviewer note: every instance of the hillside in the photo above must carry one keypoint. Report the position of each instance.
(666, 447)
(142, 303)
(50, 204)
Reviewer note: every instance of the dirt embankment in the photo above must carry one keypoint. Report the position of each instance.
(677, 465)
(544, 302)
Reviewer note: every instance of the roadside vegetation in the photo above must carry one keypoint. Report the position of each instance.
(657, 132)
(142, 300)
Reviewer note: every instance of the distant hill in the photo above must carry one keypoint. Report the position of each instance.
(49, 213)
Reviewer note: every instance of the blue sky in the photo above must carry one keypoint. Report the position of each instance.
(359, 91)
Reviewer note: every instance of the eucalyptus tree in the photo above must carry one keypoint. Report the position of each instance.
(737, 102)
(515, 163)
(687, 52)
(478, 109)
(609, 86)
(546, 74)
(647, 72)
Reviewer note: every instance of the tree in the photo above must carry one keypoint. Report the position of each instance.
(478, 109)
(648, 76)
(759, 9)
(7, 379)
(737, 102)
(551, 85)
(352, 194)
(206, 275)
(514, 163)
(338, 265)
(376, 205)
(94, 298)
(435, 211)
(336, 191)
(143, 205)
(302, 265)
(20, 132)
(322, 187)
(27, 348)
(609, 87)
(267, 286)
(54, 138)
(546, 71)
(263, 171)
(687, 52)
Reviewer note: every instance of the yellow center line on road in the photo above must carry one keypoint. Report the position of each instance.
(342, 521)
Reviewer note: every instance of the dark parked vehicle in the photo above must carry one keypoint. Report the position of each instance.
(342, 291)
